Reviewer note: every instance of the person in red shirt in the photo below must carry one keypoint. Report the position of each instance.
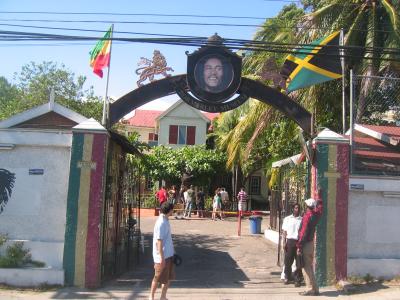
(161, 195)
(305, 243)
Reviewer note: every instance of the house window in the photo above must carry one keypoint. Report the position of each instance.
(182, 135)
(149, 183)
(153, 136)
(255, 185)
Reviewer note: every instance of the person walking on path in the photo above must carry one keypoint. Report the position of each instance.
(242, 201)
(190, 198)
(225, 201)
(163, 252)
(161, 195)
(172, 194)
(291, 225)
(305, 243)
(217, 202)
(200, 203)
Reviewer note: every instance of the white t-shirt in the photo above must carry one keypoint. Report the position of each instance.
(291, 225)
(162, 231)
(224, 196)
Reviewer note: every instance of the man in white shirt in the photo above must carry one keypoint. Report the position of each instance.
(291, 225)
(163, 252)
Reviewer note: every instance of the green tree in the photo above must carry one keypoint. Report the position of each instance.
(164, 163)
(251, 139)
(9, 94)
(34, 83)
(371, 26)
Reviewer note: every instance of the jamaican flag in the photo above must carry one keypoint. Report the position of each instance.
(316, 63)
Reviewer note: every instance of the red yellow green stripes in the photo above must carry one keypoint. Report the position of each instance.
(82, 247)
(82, 221)
(331, 235)
(100, 55)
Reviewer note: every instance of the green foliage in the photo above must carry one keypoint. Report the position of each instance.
(149, 201)
(16, 256)
(3, 239)
(170, 164)
(208, 203)
(34, 83)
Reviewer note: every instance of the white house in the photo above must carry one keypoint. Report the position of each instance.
(179, 125)
(35, 152)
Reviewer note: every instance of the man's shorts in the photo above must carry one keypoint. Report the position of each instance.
(242, 206)
(166, 274)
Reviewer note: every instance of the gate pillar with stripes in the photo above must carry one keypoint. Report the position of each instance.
(330, 173)
(82, 245)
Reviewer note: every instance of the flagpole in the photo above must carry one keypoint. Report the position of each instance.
(343, 80)
(104, 119)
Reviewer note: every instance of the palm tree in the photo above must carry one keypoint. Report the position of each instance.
(371, 26)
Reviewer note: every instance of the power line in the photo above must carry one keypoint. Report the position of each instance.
(130, 22)
(164, 23)
(198, 42)
(93, 30)
(133, 14)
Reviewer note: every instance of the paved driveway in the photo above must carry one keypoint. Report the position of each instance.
(217, 264)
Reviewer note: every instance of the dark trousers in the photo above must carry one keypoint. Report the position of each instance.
(290, 255)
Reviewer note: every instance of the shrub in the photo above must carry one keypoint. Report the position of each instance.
(16, 255)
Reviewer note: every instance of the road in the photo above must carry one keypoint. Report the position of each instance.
(217, 264)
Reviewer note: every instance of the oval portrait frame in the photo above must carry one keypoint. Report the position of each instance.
(230, 82)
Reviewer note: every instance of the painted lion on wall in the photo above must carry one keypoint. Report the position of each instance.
(157, 66)
(7, 180)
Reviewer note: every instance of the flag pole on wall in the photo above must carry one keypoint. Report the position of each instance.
(104, 120)
(100, 57)
(343, 80)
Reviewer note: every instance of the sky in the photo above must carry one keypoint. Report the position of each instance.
(125, 56)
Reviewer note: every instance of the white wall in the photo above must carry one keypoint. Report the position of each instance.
(36, 210)
(182, 115)
(374, 223)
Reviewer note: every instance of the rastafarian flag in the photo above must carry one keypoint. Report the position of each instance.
(316, 63)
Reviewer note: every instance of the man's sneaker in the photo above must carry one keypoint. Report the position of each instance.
(309, 293)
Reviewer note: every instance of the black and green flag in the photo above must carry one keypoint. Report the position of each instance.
(316, 63)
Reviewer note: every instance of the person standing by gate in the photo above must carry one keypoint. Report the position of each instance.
(242, 201)
(190, 200)
(163, 252)
(200, 202)
(305, 243)
(291, 225)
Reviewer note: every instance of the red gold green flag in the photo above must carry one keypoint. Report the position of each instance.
(100, 55)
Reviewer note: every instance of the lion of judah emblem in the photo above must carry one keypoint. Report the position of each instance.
(157, 66)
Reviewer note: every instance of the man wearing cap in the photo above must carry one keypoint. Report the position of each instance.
(163, 252)
(305, 243)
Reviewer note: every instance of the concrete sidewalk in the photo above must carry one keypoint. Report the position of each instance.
(217, 264)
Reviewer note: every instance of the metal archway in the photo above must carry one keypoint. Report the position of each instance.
(248, 87)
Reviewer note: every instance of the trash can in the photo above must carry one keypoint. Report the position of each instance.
(255, 224)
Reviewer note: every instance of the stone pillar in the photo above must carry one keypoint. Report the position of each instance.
(330, 173)
(83, 232)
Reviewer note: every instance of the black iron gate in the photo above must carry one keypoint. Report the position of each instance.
(121, 235)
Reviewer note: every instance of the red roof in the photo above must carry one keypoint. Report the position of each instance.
(209, 115)
(372, 148)
(146, 118)
(393, 131)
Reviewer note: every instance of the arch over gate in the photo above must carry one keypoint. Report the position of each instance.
(248, 87)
